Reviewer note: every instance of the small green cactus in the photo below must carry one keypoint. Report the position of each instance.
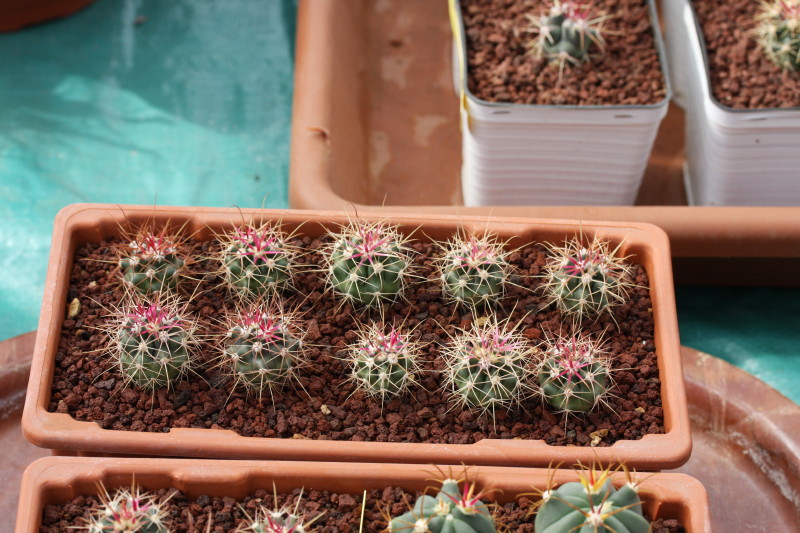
(585, 281)
(487, 367)
(779, 32)
(263, 348)
(450, 511)
(368, 263)
(280, 519)
(574, 374)
(591, 505)
(151, 263)
(384, 364)
(128, 512)
(568, 32)
(257, 260)
(474, 270)
(154, 340)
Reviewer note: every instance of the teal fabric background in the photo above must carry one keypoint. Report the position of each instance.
(188, 102)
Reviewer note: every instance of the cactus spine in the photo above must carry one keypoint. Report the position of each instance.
(281, 520)
(257, 260)
(585, 281)
(450, 511)
(263, 348)
(779, 32)
(574, 374)
(368, 263)
(486, 367)
(128, 512)
(568, 32)
(474, 270)
(384, 364)
(154, 340)
(592, 505)
(151, 263)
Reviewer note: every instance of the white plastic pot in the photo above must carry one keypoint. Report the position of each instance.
(517, 154)
(733, 156)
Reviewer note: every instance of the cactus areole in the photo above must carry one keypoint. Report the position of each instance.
(151, 263)
(256, 260)
(450, 511)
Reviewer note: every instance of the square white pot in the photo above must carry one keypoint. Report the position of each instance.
(733, 156)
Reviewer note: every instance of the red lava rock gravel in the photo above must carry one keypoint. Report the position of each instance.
(501, 69)
(342, 512)
(742, 76)
(87, 386)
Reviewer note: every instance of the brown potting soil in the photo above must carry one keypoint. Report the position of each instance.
(742, 76)
(87, 385)
(342, 512)
(502, 68)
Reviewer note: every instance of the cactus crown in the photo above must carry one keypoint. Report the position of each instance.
(257, 260)
(151, 262)
(368, 263)
(450, 510)
(384, 364)
(585, 281)
(568, 32)
(128, 511)
(574, 373)
(153, 341)
(592, 504)
(486, 367)
(474, 269)
(281, 520)
(779, 32)
(263, 348)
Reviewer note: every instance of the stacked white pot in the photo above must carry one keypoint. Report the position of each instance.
(515, 154)
(733, 156)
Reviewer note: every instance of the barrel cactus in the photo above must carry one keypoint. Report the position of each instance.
(474, 269)
(257, 260)
(368, 264)
(591, 505)
(568, 33)
(280, 520)
(574, 373)
(154, 340)
(487, 366)
(128, 511)
(586, 280)
(151, 262)
(384, 363)
(779, 32)
(263, 348)
(450, 511)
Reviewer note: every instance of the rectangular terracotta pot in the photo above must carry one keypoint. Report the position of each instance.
(375, 123)
(81, 223)
(58, 479)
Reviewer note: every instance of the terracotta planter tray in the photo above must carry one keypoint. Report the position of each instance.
(79, 224)
(375, 123)
(55, 480)
(17, 14)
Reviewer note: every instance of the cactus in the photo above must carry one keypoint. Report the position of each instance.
(474, 270)
(384, 364)
(128, 512)
(263, 348)
(779, 32)
(568, 32)
(574, 374)
(280, 520)
(257, 260)
(450, 511)
(486, 367)
(151, 262)
(154, 340)
(591, 505)
(585, 281)
(368, 263)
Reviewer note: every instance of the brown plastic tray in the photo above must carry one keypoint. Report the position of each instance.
(375, 123)
(82, 223)
(58, 479)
